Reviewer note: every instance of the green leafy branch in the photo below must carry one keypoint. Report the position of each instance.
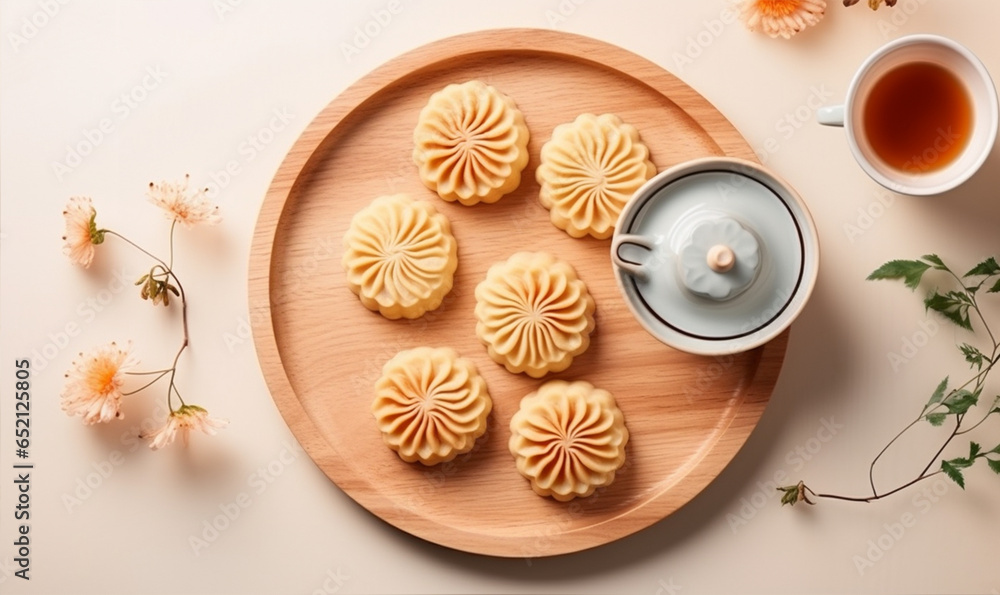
(961, 307)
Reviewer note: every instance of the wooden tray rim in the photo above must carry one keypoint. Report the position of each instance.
(298, 164)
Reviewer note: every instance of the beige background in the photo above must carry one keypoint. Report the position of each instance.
(205, 77)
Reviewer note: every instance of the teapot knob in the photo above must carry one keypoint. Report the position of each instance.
(720, 260)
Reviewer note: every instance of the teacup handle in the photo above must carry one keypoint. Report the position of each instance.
(831, 115)
(635, 269)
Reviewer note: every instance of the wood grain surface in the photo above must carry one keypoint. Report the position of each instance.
(321, 351)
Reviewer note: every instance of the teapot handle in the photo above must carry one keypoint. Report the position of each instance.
(636, 269)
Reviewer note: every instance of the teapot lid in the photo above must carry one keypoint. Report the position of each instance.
(716, 255)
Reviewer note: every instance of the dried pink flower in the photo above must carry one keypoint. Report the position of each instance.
(188, 208)
(81, 230)
(93, 386)
(182, 421)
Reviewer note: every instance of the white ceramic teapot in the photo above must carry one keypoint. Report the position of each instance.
(715, 255)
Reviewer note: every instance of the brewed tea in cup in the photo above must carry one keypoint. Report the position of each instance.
(921, 115)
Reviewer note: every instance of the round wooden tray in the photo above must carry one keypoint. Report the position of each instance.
(321, 350)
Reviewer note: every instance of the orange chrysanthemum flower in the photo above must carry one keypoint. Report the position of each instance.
(782, 18)
(93, 385)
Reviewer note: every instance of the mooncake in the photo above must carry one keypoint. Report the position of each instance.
(400, 256)
(568, 439)
(589, 170)
(471, 143)
(430, 405)
(534, 314)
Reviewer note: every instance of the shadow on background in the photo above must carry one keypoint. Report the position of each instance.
(808, 365)
(972, 209)
(816, 369)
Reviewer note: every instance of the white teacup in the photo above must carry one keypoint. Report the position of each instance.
(916, 180)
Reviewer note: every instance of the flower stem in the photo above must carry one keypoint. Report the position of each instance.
(136, 246)
(161, 374)
(173, 224)
(180, 287)
(871, 468)
(958, 426)
(985, 417)
(920, 478)
(168, 271)
(172, 388)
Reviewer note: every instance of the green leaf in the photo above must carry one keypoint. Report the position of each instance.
(952, 305)
(911, 271)
(936, 419)
(973, 355)
(960, 401)
(994, 465)
(96, 235)
(986, 267)
(790, 495)
(936, 261)
(974, 450)
(953, 473)
(796, 493)
(995, 450)
(960, 463)
(938, 393)
(995, 288)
